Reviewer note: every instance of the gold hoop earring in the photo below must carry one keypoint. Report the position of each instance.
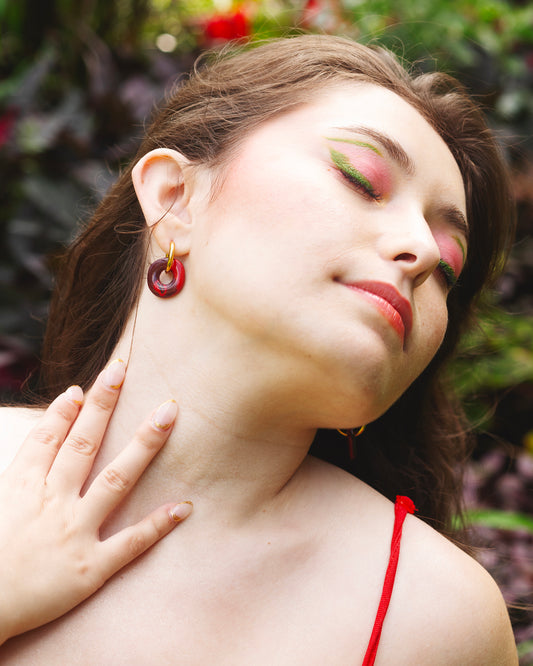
(350, 434)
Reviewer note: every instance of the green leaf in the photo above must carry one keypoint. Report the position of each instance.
(500, 520)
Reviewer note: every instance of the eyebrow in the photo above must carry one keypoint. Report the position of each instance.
(452, 215)
(391, 146)
(455, 218)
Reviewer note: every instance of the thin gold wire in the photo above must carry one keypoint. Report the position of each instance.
(170, 256)
(355, 434)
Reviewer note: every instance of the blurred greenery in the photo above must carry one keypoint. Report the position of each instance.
(500, 520)
(504, 354)
(496, 356)
(524, 649)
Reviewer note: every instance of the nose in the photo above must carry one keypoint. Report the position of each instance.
(410, 243)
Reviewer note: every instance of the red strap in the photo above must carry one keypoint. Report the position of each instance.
(402, 507)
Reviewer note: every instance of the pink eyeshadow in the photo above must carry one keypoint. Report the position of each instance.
(370, 164)
(450, 251)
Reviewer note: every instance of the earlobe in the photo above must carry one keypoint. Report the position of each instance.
(163, 193)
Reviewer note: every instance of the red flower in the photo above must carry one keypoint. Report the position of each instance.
(225, 27)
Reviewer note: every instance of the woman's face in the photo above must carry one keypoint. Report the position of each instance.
(332, 246)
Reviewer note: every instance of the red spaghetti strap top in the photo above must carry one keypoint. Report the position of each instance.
(402, 507)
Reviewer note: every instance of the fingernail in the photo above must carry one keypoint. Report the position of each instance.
(114, 374)
(181, 511)
(165, 415)
(75, 394)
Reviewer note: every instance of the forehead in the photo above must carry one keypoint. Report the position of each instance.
(345, 107)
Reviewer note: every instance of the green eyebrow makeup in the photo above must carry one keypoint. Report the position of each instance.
(461, 245)
(363, 144)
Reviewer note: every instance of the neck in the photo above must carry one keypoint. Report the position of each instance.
(237, 442)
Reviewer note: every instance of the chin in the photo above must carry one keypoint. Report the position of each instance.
(368, 397)
(356, 383)
(354, 408)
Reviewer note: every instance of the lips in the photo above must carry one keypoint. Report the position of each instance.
(388, 300)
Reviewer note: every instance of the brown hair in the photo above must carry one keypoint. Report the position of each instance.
(414, 448)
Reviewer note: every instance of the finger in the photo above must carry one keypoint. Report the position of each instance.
(126, 545)
(115, 481)
(40, 447)
(76, 457)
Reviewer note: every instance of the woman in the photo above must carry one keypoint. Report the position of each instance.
(327, 223)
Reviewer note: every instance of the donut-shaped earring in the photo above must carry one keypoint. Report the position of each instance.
(168, 265)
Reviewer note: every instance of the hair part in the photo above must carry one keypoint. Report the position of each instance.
(415, 447)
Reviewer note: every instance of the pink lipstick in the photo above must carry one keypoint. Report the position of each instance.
(388, 300)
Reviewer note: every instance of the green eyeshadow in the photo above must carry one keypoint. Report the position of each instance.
(343, 163)
(449, 273)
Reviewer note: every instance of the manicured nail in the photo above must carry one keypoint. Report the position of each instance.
(114, 374)
(165, 415)
(181, 511)
(75, 394)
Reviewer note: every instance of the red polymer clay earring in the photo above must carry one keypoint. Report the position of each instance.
(169, 265)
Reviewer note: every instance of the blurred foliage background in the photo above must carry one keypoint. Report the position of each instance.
(78, 81)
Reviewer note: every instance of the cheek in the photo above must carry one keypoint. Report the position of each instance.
(439, 324)
(433, 322)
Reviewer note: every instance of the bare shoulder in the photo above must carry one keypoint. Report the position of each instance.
(15, 424)
(446, 596)
(445, 608)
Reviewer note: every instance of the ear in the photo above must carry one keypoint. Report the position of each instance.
(163, 192)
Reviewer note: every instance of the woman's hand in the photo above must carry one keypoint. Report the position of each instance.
(51, 556)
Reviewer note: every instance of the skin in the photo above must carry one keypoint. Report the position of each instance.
(52, 556)
(284, 557)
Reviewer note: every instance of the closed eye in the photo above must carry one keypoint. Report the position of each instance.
(448, 273)
(354, 177)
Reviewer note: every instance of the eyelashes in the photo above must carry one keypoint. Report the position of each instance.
(448, 273)
(353, 176)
